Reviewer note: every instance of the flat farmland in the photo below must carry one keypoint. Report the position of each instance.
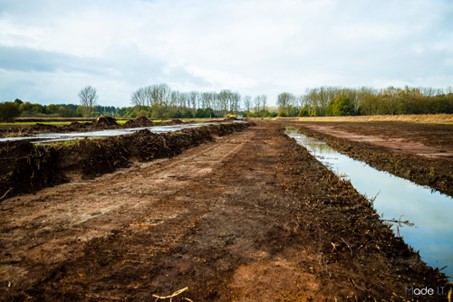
(248, 216)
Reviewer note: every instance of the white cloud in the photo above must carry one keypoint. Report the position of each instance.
(250, 46)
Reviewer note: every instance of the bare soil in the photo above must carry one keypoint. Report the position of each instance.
(28, 168)
(80, 125)
(248, 217)
(422, 153)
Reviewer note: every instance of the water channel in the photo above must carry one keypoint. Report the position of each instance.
(397, 199)
(58, 137)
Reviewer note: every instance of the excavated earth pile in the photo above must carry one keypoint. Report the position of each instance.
(249, 217)
(102, 122)
(27, 167)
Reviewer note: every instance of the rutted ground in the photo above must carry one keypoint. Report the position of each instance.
(250, 217)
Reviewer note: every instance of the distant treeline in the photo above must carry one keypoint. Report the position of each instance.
(334, 101)
(11, 110)
(160, 101)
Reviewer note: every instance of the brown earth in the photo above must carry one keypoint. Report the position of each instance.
(426, 140)
(27, 167)
(81, 125)
(248, 217)
(422, 153)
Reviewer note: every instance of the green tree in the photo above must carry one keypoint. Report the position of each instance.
(341, 106)
(284, 101)
(8, 111)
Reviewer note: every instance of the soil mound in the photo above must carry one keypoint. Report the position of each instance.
(177, 121)
(43, 128)
(76, 126)
(29, 167)
(105, 121)
(139, 122)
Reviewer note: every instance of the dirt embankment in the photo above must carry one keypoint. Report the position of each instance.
(251, 217)
(422, 153)
(83, 125)
(27, 167)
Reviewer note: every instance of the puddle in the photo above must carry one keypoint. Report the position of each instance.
(58, 137)
(397, 199)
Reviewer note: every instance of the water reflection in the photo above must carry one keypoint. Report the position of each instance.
(396, 197)
(57, 137)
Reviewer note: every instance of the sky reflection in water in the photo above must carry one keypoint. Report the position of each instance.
(396, 197)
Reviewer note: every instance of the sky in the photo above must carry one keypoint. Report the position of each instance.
(51, 49)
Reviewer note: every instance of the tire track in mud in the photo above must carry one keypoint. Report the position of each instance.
(252, 217)
(40, 231)
(212, 237)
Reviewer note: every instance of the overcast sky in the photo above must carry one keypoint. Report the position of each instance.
(50, 49)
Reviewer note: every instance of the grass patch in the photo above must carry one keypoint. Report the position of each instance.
(121, 122)
(53, 123)
(160, 121)
(65, 143)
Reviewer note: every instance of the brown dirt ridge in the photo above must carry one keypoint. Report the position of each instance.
(27, 167)
(82, 125)
(247, 217)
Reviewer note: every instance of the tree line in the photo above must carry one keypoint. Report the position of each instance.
(153, 101)
(16, 108)
(160, 101)
(336, 101)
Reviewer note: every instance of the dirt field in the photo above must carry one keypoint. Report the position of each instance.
(248, 217)
(422, 153)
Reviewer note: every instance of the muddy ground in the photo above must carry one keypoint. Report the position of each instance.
(248, 217)
(422, 153)
(101, 123)
(27, 167)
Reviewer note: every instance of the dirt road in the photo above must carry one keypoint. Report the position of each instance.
(249, 217)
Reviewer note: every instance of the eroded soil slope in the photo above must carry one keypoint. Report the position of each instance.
(250, 217)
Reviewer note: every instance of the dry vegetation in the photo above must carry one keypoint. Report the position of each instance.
(414, 118)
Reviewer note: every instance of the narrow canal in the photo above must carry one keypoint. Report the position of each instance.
(424, 214)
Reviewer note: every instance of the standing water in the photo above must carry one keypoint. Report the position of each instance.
(57, 137)
(397, 199)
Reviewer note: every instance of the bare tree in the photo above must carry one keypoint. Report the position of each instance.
(140, 97)
(257, 103)
(247, 103)
(264, 101)
(88, 99)
(194, 97)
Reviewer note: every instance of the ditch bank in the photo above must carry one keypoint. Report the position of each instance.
(434, 173)
(84, 125)
(27, 167)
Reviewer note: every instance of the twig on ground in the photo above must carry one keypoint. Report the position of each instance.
(176, 293)
(6, 193)
(349, 247)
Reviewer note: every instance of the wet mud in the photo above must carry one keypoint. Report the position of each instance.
(249, 217)
(421, 153)
(27, 168)
(100, 123)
